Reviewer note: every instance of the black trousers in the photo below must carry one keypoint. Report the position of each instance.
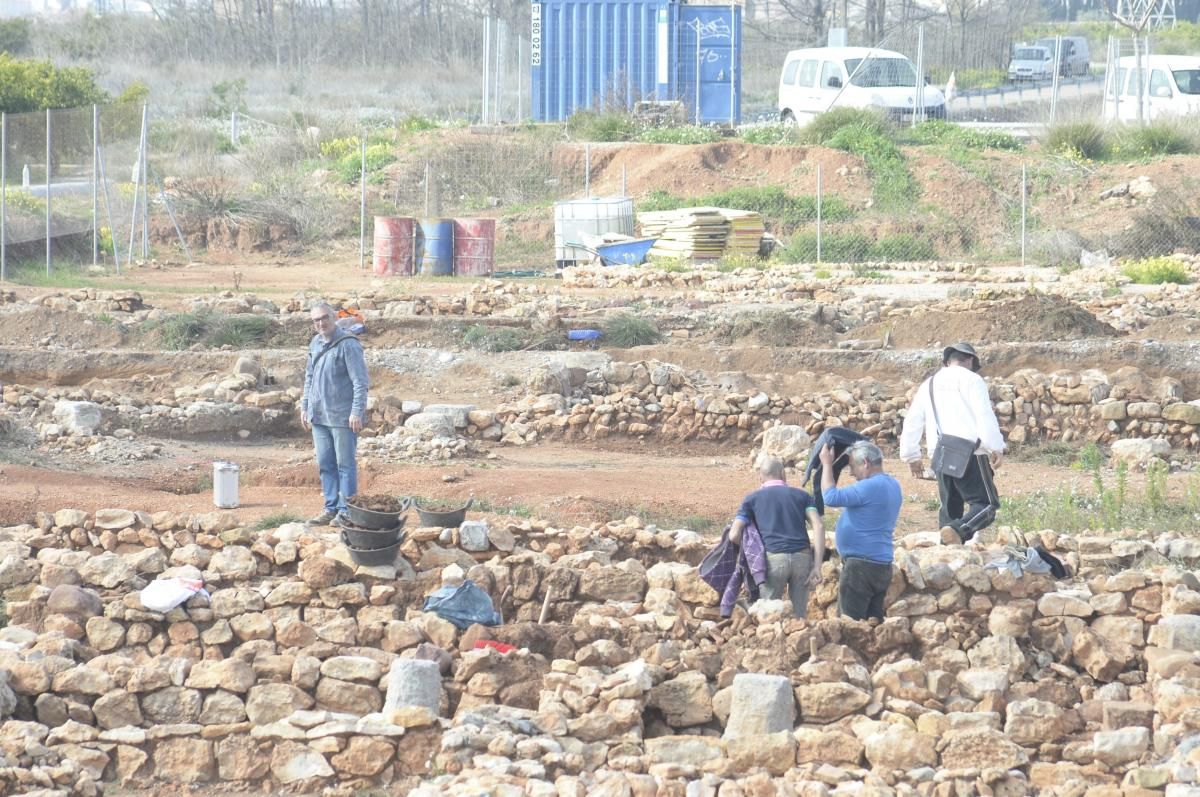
(969, 503)
(862, 587)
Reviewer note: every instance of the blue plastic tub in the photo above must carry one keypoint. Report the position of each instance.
(584, 334)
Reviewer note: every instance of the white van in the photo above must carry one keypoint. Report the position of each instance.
(820, 78)
(1030, 62)
(1170, 86)
(1075, 58)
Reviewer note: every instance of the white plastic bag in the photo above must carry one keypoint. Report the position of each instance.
(167, 593)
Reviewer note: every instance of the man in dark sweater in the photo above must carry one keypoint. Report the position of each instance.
(781, 514)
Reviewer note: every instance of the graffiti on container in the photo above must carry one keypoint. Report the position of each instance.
(714, 29)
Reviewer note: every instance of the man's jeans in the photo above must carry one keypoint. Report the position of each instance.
(336, 448)
(790, 571)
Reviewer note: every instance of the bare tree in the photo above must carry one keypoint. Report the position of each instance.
(1135, 17)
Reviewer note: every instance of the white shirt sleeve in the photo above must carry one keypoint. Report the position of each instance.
(914, 424)
(991, 440)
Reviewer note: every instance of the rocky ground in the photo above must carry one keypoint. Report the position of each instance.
(302, 671)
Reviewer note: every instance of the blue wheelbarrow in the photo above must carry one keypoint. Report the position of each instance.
(621, 253)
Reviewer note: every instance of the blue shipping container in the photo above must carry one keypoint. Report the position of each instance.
(592, 54)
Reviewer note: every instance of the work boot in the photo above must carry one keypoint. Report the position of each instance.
(323, 519)
(342, 520)
(950, 536)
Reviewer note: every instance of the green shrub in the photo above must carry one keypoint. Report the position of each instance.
(893, 185)
(688, 134)
(1157, 270)
(275, 520)
(349, 168)
(180, 331)
(939, 131)
(827, 125)
(1158, 138)
(225, 97)
(135, 93)
(496, 339)
(903, 246)
(661, 200)
(239, 331)
(775, 204)
(416, 124)
(773, 134)
(1087, 140)
(27, 85)
(625, 330)
(850, 247)
(600, 126)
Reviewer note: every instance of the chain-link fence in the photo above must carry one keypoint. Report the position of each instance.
(71, 187)
(99, 184)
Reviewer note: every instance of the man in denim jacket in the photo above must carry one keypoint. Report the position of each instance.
(333, 407)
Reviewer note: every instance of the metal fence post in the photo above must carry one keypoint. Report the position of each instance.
(1024, 201)
(108, 212)
(919, 105)
(3, 196)
(137, 193)
(819, 192)
(362, 202)
(487, 43)
(733, 61)
(145, 181)
(95, 185)
(1054, 83)
(48, 136)
(498, 104)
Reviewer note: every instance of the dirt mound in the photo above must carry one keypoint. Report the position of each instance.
(1030, 318)
(696, 170)
(28, 326)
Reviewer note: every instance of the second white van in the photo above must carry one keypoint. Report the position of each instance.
(820, 78)
(1169, 85)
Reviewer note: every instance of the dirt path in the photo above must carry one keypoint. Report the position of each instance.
(559, 483)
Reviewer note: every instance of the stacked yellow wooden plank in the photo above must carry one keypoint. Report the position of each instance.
(745, 231)
(702, 233)
(687, 233)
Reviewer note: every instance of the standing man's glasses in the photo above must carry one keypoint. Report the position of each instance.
(321, 318)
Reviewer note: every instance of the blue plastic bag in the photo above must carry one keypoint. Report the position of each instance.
(463, 605)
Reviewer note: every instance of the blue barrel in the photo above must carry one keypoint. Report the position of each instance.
(435, 247)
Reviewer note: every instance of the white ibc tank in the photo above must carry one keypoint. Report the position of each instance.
(225, 485)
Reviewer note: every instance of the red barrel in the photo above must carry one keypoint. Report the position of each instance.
(474, 246)
(393, 246)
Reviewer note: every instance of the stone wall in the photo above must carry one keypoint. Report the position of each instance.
(297, 670)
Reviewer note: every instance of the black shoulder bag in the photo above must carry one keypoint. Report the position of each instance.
(952, 454)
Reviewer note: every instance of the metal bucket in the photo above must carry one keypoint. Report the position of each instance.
(393, 246)
(435, 247)
(474, 246)
(225, 484)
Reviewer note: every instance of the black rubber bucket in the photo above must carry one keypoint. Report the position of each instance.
(371, 557)
(450, 519)
(370, 539)
(370, 519)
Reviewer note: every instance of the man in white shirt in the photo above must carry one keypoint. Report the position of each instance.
(960, 397)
